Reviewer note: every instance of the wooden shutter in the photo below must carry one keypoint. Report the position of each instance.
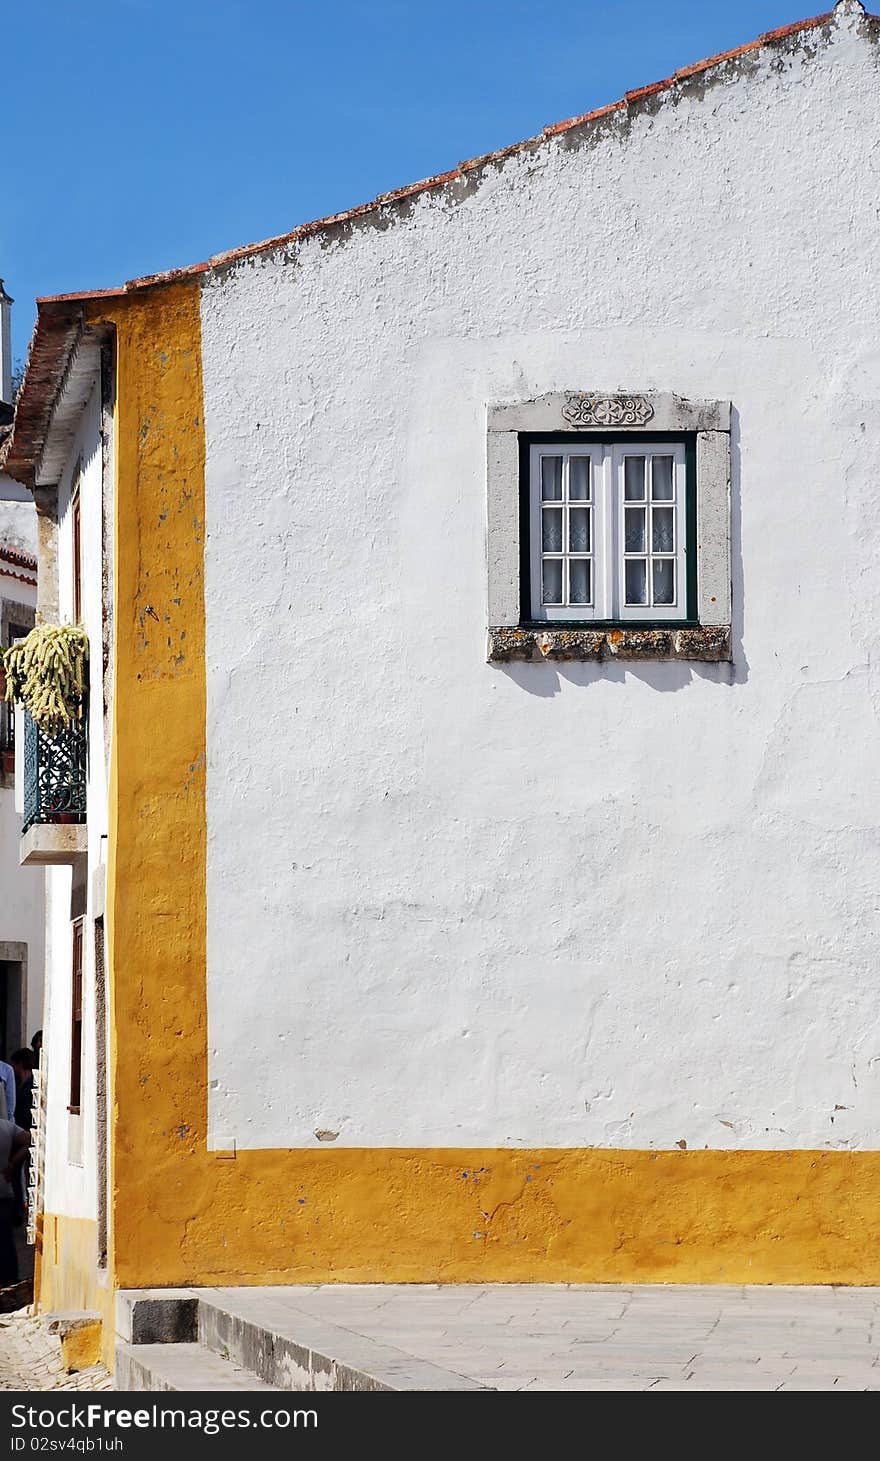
(76, 1019)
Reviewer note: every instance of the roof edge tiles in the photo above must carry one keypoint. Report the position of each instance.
(424, 185)
(20, 566)
(52, 344)
(20, 560)
(25, 440)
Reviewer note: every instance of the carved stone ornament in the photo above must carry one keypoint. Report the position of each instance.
(607, 410)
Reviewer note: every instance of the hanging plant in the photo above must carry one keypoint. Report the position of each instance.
(47, 673)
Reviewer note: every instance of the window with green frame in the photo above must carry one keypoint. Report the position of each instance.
(608, 529)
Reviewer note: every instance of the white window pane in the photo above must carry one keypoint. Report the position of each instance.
(579, 479)
(551, 534)
(579, 580)
(634, 479)
(634, 530)
(664, 581)
(552, 581)
(661, 479)
(551, 479)
(662, 530)
(579, 529)
(636, 581)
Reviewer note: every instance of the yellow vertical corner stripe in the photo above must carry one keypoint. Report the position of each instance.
(184, 1215)
(156, 880)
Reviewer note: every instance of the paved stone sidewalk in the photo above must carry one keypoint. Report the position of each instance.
(30, 1359)
(589, 1337)
(530, 1337)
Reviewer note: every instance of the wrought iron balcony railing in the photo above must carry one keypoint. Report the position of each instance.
(55, 772)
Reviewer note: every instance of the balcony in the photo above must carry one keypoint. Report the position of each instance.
(54, 771)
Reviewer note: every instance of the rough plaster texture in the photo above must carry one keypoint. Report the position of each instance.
(71, 1171)
(606, 645)
(453, 903)
(18, 520)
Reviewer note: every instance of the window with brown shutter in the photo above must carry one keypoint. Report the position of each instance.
(76, 522)
(76, 1020)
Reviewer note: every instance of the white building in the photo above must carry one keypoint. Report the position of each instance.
(429, 924)
(21, 889)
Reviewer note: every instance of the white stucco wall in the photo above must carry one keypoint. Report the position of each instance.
(18, 517)
(71, 1155)
(460, 904)
(22, 908)
(21, 913)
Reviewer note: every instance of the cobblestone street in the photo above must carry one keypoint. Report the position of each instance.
(30, 1359)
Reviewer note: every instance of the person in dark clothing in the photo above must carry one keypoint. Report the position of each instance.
(8, 1090)
(36, 1046)
(22, 1062)
(13, 1149)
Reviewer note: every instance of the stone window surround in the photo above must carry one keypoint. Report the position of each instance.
(565, 412)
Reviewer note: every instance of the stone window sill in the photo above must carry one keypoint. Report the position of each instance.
(709, 643)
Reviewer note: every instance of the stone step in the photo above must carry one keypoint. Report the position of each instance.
(180, 1367)
(79, 1331)
(292, 1350)
(157, 1316)
(260, 1333)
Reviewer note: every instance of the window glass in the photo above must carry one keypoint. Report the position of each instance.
(607, 530)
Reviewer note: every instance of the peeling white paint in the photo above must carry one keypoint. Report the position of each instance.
(630, 905)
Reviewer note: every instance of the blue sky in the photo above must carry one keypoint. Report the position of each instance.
(146, 134)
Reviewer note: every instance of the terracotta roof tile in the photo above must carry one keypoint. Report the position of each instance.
(498, 156)
(711, 61)
(654, 87)
(46, 354)
(29, 579)
(306, 230)
(421, 187)
(83, 295)
(21, 560)
(169, 276)
(55, 334)
(18, 561)
(797, 25)
(566, 126)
